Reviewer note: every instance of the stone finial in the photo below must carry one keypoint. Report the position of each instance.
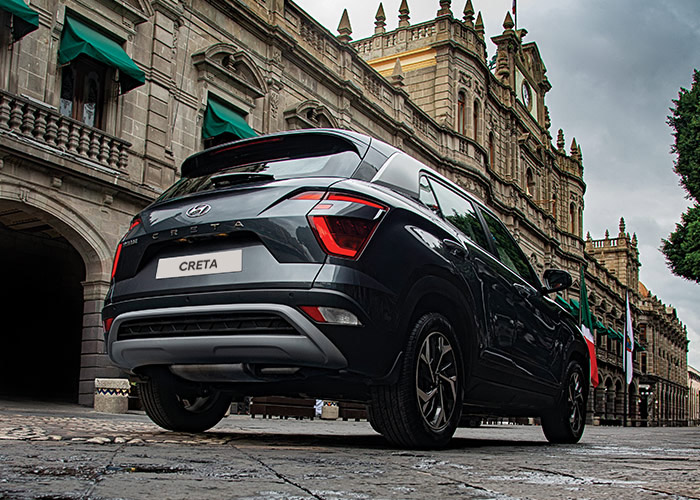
(574, 147)
(469, 13)
(508, 23)
(397, 75)
(479, 26)
(403, 14)
(588, 236)
(580, 155)
(344, 27)
(560, 140)
(547, 118)
(379, 20)
(607, 234)
(445, 9)
(634, 239)
(622, 227)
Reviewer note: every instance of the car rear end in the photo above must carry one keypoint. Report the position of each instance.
(249, 269)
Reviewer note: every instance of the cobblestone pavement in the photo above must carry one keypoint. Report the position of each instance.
(50, 451)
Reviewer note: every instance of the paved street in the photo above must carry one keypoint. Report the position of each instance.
(51, 451)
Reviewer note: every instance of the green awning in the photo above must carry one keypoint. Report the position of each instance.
(24, 19)
(560, 300)
(615, 334)
(219, 119)
(79, 39)
(598, 324)
(575, 305)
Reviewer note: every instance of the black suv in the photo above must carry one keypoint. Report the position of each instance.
(330, 264)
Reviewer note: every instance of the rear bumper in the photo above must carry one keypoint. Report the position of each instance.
(308, 347)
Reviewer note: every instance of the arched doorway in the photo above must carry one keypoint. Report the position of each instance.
(56, 274)
(41, 302)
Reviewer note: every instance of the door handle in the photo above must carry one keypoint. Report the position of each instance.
(455, 249)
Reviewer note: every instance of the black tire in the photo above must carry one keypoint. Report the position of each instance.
(182, 407)
(565, 422)
(423, 408)
(373, 420)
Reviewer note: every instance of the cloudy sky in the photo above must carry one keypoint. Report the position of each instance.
(614, 67)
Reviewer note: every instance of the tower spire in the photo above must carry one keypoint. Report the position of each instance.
(380, 18)
(403, 14)
(469, 13)
(445, 9)
(480, 26)
(344, 28)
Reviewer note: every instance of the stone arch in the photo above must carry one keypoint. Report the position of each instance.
(235, 67)
(75, 227)
(310, 114)
(609, 398)
(632, 405)
(81, 322)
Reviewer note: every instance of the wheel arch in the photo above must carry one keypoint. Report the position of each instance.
(439, 295)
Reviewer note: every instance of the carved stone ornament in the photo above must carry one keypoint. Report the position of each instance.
(234, 67)
(465, 79)
(309, 114)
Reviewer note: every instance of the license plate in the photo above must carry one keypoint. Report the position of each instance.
(229, 261)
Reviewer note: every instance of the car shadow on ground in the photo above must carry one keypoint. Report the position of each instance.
(357, 441)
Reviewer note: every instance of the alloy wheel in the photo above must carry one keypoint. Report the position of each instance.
(436, 381)
(576, 402)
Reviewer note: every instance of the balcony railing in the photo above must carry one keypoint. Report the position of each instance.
(36, 122)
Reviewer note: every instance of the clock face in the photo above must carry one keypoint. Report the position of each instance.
(527, 95)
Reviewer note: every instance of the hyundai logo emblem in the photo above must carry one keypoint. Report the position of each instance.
(198, 210)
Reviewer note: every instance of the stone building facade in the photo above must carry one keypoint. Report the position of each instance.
(82, 147)
(693, 396)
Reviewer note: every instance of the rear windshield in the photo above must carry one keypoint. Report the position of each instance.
(341, 164)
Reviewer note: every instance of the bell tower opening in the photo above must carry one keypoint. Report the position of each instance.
(41, 304)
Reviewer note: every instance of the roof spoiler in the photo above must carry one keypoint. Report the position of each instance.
(281, 146)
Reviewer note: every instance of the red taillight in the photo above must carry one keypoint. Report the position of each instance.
(108, 324)
(116, 260)
(134, 223)
(344, 235)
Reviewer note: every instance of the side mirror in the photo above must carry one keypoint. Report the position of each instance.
(555, 280)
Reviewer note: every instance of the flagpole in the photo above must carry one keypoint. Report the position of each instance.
(624, 362)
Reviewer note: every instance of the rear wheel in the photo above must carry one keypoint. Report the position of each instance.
(566, 421)
(423, 408)
(182, 407)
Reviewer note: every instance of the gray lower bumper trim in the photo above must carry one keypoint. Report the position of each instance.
(311, 348)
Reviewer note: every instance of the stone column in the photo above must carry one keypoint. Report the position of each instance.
(93, 360)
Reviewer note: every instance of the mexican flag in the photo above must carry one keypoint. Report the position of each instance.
(587, 329)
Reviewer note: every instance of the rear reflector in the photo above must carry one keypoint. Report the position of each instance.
(331, 315)
(108, 324)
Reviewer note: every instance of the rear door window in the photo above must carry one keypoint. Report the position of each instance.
(508, 250)
(457, 210)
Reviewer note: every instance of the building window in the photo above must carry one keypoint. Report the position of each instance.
(83, 84)
(530, 183)
(580, 222)
(462, 113)
(554, 206)
(572, 218)
(643, 332)
(477, 112)
(492, 150)
(643, 363)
